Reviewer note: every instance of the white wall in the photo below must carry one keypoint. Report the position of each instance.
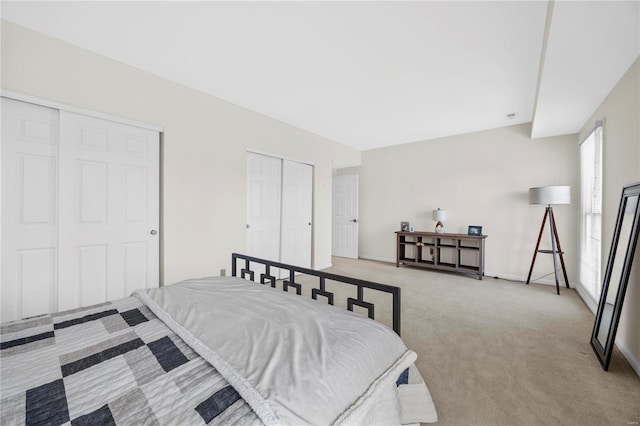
(480, 178)
(205, 142)
(621, 166)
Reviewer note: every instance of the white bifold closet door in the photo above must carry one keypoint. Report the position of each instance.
(264, 189)
(279, 209)
(80, 199)
(109, 210)
(297, 197)
(29, 210)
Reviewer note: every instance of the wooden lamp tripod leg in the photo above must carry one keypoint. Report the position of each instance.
(552, 219)
(554, 247)
(535, 252)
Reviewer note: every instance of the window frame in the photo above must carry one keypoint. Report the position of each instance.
(590, 241)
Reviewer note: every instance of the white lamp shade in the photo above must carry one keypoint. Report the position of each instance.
(550, 195)
(439, 215)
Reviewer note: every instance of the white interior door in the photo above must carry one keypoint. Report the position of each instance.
(29, 210)
(297, 196)
(264, 188)
(345, 216)
(109, 210)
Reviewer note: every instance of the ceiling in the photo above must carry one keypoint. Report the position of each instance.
(370, 73)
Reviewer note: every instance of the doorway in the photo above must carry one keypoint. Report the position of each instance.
(345, 216)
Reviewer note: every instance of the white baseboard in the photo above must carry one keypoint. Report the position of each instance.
(587, 299)
(319, 268)
(523, 279)
(510, 277)
(633, 361)
(377, 259)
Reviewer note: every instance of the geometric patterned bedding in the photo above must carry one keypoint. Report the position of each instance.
(113, 363)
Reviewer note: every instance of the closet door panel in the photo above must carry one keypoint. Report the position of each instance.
(297, 196)
(264, 180)
(92, 278)
(29, 209)
(109, 208)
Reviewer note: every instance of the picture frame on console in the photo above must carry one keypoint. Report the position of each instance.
(474, 230)
(405, 226)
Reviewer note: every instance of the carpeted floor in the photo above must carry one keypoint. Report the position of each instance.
(497, 352)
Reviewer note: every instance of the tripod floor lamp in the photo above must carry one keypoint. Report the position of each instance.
(549, 195)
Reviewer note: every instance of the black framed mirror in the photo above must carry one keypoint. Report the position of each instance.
(616, 278)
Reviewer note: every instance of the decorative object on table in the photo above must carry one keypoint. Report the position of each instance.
(439, 216)
(474, 230)
(549, 195)
(411, 228)
(616, 278)
(404, 226)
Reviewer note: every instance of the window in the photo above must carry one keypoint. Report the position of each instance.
(591, 211)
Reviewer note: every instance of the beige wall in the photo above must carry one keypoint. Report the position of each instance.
(347, 171)
(205, 142)
(621, 166)
(481, 179)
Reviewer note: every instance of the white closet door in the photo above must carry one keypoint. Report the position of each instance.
(264, 182)
(297, 196)
(109, 210)
(29, 209)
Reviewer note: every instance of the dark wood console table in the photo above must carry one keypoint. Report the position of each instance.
(448, 252)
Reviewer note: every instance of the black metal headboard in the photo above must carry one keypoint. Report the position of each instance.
(322, 277)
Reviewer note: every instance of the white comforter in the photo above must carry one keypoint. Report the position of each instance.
(293, 359)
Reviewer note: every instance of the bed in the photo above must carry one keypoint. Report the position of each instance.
(217, 350)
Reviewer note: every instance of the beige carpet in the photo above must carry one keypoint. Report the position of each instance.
(497, 352)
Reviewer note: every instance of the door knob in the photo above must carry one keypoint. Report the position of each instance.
(154, 232)
(354, 220)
